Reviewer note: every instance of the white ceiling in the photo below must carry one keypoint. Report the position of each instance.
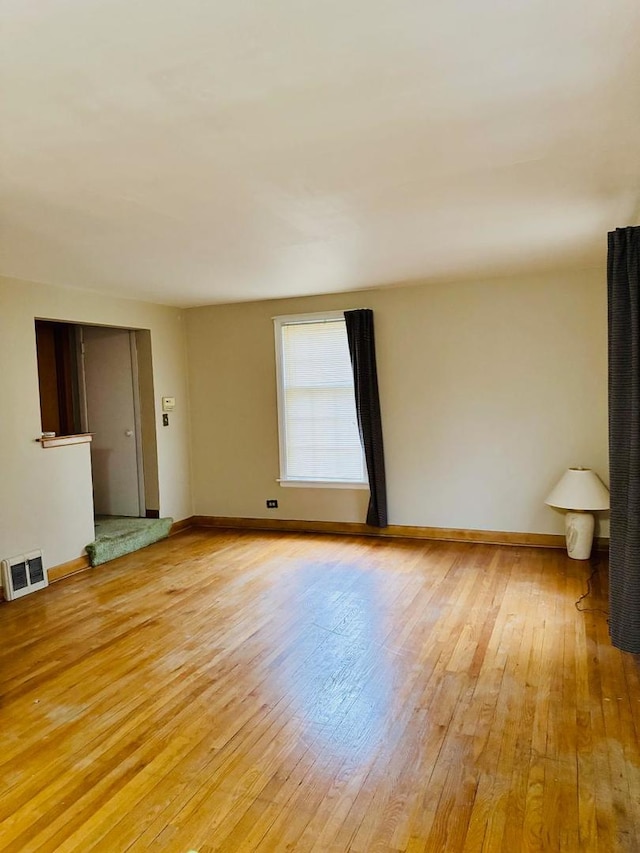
(201, 151)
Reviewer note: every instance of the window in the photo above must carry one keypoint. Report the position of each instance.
(319, 437)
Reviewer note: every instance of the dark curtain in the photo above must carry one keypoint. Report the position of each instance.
(362, 349)
(623, 276)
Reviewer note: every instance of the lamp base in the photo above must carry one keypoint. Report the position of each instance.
(579, 528)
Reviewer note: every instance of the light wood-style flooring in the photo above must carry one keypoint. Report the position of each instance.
(234, 691)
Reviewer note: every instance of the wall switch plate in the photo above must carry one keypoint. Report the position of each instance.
(168, 404)
(165, 420)
(272, 504)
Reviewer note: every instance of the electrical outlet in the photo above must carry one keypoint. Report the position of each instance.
(272, 504)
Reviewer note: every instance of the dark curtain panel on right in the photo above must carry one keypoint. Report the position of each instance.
(623, 278)
(362, 349)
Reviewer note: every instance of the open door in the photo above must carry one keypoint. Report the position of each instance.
(112, 413)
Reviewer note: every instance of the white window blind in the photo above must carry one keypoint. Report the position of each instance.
(319, 437)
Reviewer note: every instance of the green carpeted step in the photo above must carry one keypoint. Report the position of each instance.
(117, 535)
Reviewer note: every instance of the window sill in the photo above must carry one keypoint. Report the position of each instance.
(64, 440)
(321, 484)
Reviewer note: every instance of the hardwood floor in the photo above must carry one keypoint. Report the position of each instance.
(233, 691)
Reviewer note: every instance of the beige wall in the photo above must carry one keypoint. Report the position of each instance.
(45, 495)
(489, 389)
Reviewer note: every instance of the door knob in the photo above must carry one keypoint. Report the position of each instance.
(128, 433)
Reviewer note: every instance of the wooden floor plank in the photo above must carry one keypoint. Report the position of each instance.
(244, 691)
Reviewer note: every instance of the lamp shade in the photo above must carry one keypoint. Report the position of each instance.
(579, 489)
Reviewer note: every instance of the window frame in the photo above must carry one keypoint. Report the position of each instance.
(292, 482)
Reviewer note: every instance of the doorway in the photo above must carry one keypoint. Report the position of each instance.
(117, 405)
(100, 379)
(111, 411)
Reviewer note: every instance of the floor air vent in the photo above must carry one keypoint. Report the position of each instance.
(24, 574)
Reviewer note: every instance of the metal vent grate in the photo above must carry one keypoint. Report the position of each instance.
(19, 579)
(23, 574)
(36, 570)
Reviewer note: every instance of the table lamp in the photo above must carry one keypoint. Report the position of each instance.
(582, 492)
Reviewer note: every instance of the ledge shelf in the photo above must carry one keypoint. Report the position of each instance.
(63, 440)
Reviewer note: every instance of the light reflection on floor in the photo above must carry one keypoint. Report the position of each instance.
(339, 672)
